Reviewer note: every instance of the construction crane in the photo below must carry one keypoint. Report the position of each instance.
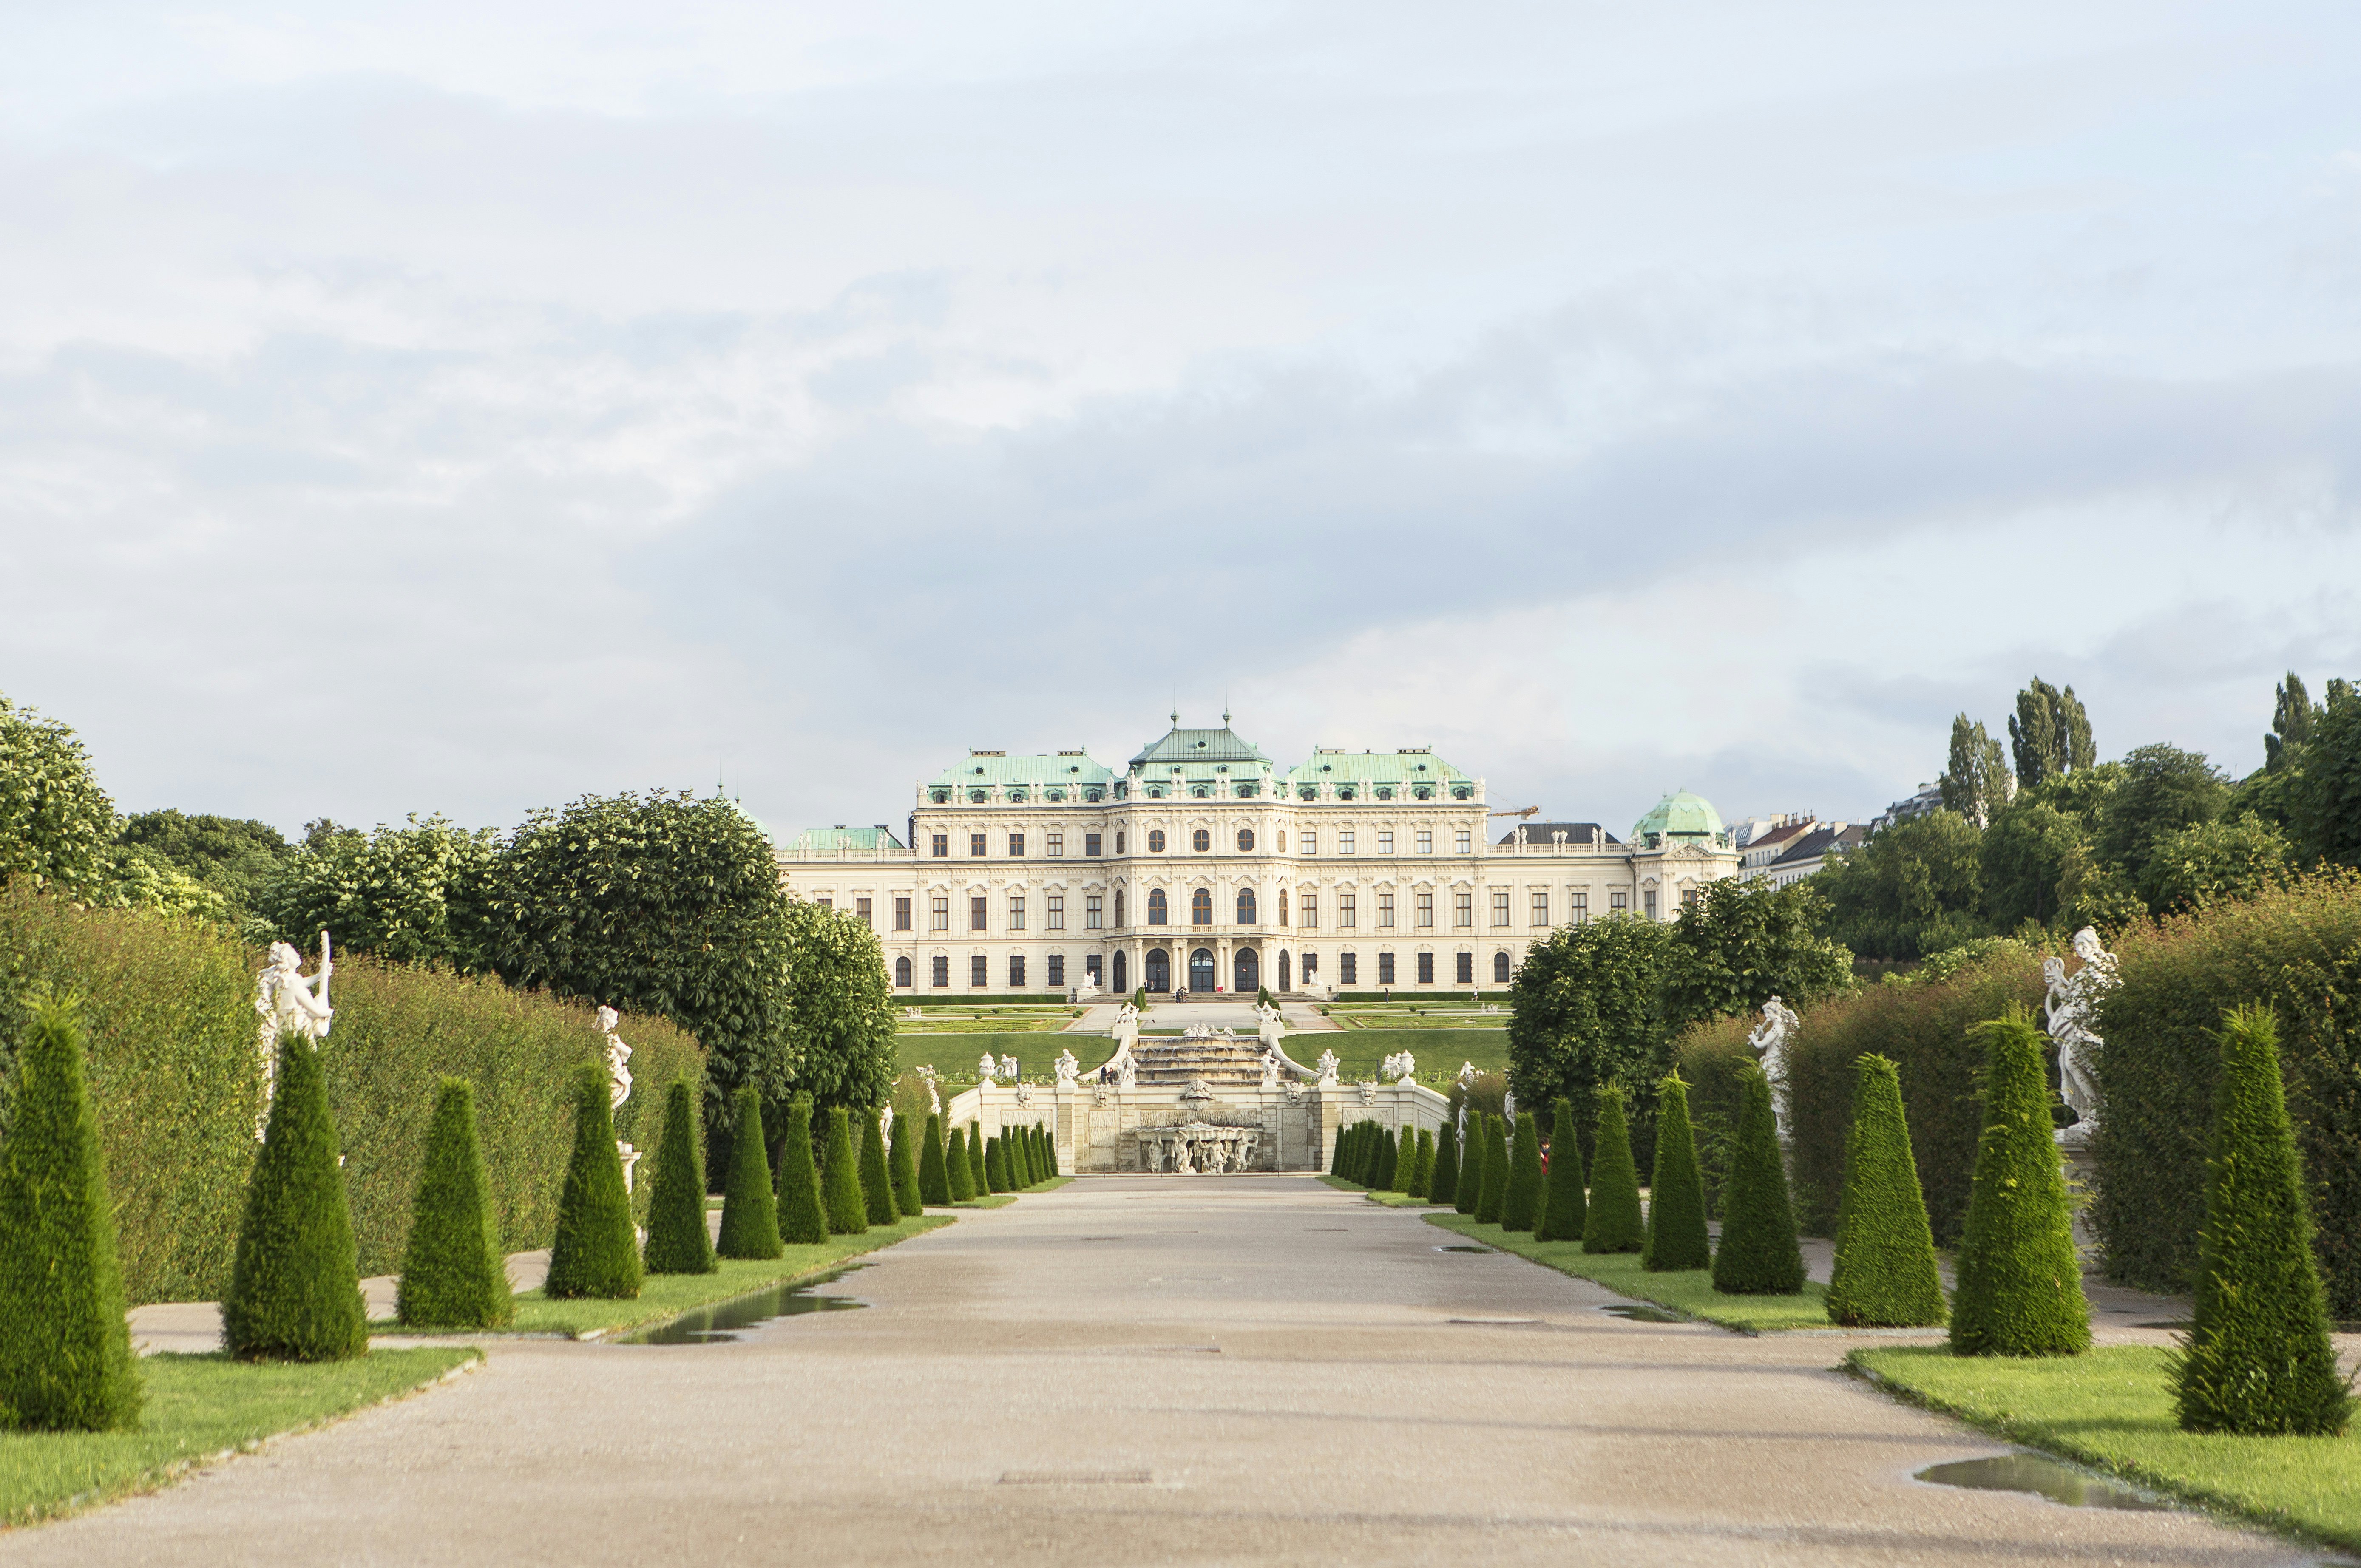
(1522, 811)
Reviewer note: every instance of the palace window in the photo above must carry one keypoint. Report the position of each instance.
(1426, 968)
(1156, 910)
(1425, 908)
(1346, 917)
(827, 901)
(1016, 971)
(901, 914)
(1155, 842)
(1499, 969)
(1311, 842)
(1540, 909)
(942, 914)
(1118, 909)
(942, 971)
(1016, 912)
(1578, 906)
(1348, 970)
(1053, 844)
(1201, 907)
(1090, 968)
(1385, 840)
(979, 972)
(1090, 844)
(1466, 968)
(1385, 912)
(1016, 846)
(1307, 908)
(1618, 901)
(1282, 840)
(942, 845)
(1345, 840)
(1463, 909)
(976, 845)
(860, 910)
(1118, 843)
(1246, 906)
(1201, 840)
(1649, 898)
(1499, 906)
(1463, 842)
(1282, 906)
(1057, 912)
(1426, 841)
(975, 914)
(1311, 967)
(902, 974)
(1385, 968)
(1688, 896)
(1245, 840)
(1057, 970)
(1093, 912)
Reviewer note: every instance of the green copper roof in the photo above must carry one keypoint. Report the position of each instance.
(825, 839)
(1188, 748)
(1381, 775)
(1679, 817)
(988, 767)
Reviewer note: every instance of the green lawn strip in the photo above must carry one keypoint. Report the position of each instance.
(1687, 1290)
(1341, 1184)
(2112, 1409)
(667, 1296)
(1397, 1200)
(200, 1407)
(936, 1029)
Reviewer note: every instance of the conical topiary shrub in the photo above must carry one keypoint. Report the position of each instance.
(1424, 1180)
(1470, 1192)
(902, 1165)
(840, 1179)
(1885, 1275)
(959, 1171)
(876, 1181)
(1336, 1154)
(2258, 1360)
(1494, 1194)
(1388, 1162)
(295, 1288)
(749, 1211)
(1610, 1220)
(802, 1218)
(65, 1350)
(677, 1243)
(1758, 1255)
(1020, 1149)
(453, 1276)
(1677, 1237)
(1443, 1178)
(1564, 1213)
(1356, 1157)
(595, 1251)
(995, 1166)
(2020, 1282)
(1522, 1197)
(934, 1171)
(1049, 1155)
(976, 1174)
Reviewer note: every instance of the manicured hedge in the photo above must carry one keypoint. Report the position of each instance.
(167, 1011)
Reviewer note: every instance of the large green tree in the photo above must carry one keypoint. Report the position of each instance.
(1911, 889)
(2327, 795)
(2163, 790)
(1977, 782)
(236, 859)
(2291, 717)
(843, 1030)
(1588, 1012)
(408, 895)
(56, 824)
(2049, 734)
(1740, 943)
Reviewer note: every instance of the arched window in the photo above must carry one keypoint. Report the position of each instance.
(1248, 971)
(1245, 840)
(902, 972)
(1157, 969)
(1156, 911)
(1282, 968)
(1201, 907)
(1122, 972)
(1155, 841)
(1499, 969)
(1282, 920)
(1246, 906)
(1202, 970)
(1202, 841)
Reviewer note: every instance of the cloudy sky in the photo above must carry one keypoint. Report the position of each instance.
(462, 407)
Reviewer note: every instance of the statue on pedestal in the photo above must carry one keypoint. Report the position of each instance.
(1067, 1069)
(619, 1084)
(1401, 1067)
(287, 1002)
(986, 1067)
(2073, 1008)
(1327, 1065)
(1008, 1068)
(1779, 1021)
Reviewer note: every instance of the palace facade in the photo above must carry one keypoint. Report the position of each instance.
(1203, 866)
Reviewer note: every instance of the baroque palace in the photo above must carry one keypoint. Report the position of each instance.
(1203, 866)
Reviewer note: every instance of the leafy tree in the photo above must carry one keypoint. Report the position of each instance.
(2327, 797)
(839, 1181)
(2020, 1283)
(65, 1351)
(55, 822)
(2259, 1361)
(876, 1179)
(802, 1219)
(1611, 1221)
(749, 1212)
(2163, 790)
(133, 877)
(2050, 734)
(597, 1249)
(1565, 1213)
(453, 1276)
(408, 895)
(841, 1033)
(1910, 890)
(1978, 781)
(295, 1283)
(2291, 717)
(665, 904)
(2215, 863)
(1587, 1011)
(1520, 1201)
(1758, 1255)
(1740, 944)
(1676, 1231)
(2036, 840)
(1884, 1274)
(678, 1240)
(237, 859)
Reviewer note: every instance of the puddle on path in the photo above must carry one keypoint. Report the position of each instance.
(724, 1320)
(2042, 1476)
(1460, 1248)
(1641, 1313)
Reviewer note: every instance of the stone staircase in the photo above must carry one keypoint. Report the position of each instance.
(1164, 1060)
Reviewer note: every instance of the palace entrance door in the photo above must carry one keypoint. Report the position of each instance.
(1202, 970)
(1158, 969)
(1248, 967)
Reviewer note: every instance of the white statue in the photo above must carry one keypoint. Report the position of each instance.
(1327, 1065)
(1152, 1151)
(986, 1067)
(2073, 1009)
(1126, 1027)
(618, 1077)
(285, 1002)
(1008, 1068)
(1779, 1021)
(1127, 1071)
(1270, 1070)
(1368, 1093)
(1467, 1073)
(1401, 1067)
(1024, 1093)
(1067, 1069)
(934, 1094)
(1181, 1164)
(1271, 1025)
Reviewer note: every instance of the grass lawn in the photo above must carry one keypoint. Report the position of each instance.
(1012, 1024)
(2112, 1409)
(199, 1407)
(1390, 1200)
(1687, 1290)
(953, 1056)
(1439, 1051)
(1419, 1018)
